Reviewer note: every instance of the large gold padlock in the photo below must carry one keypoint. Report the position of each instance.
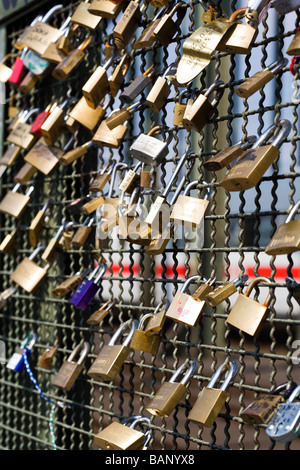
(211, 400)
(105, 8)
(119, 436)
(87, 116)
(228, 155)
(38, 224)
(112, 356)
(70, 370)
(28, 274)
(252, 165)
(97, 86)
(141, 341)
(224, 291)
(171, 392)
(190, 210)
(83, 17)
(101, 313)
(127, 24)
(247, 314)
(44, 157)
(15, 203)
(286, 239)
(240, 39)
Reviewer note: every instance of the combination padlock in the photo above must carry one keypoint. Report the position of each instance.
(150, 150)
(247, 314)
(71, 369)
(112, 356)
(28, 274)
(226, 156)
(88, 289)
(284, 425)
(38, 223)
(15, 203)
(120, 436)
(224, 291)
(141, 341)
(171, 392)
(70, 283)
(190, 211)
(211, 400)
(286, 239)
(101, 313)
(16, 362)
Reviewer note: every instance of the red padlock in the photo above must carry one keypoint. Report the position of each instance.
(19, 70)
(40, 119)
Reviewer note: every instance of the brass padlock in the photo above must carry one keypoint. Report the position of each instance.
(21, 135)
(225, 290)
(100, 180)
(128, 23)
(137, 86)
(67, 65)
(83, 16)
(70, 370)
(202, 110)
(101, 313)
(131, 180)
(25, 174)
(294, 288)
(87, 116)
(72, 155)
(141, 341)
(28, 274)
(286, 239)
(159, 241)
(150, 150)
(10, 156)
(28, 82)
(260, 79)
(106, 137)
(57, 51)
(119, 436)
(83, 232)
(252, 165)
(44, 157)
(5, 295)
(69, 284)
(131, 227)
(118, 116)
(5, 71)
(160, 91)
(97, 86)
(166, 28)
(171, 392)
(38, 223)
(294, 47)
(228, 155)
(53, 126)
(53, 247)
(112, 356)
(46, 359)
(180, 108)
(156, 323)
(211, 400)
(116, 79)
(147, 36)
(261, 410)
(247, 314)
(191, 210)
(185, 308)
(10, 242)
(105, 8)
(15, 203)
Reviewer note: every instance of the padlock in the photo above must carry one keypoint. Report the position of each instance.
(247, 314)
(46, 359)
(28, 274)
(21, 133)
(5, 295)
(294, 288)
(57, 51)
(225, 290)
(68, 65)
(15, 203)
(284, 425)
(211, 400)
(286, 239)
(260, 79)
(261, 410)
(190, 210)
(10, 242)
(252, 165)
(28, 83)
(40, 119)
(137, 86)
(119, 436)
(74, 154)
(53, 127)
(53, 247)
(112, 356)
(147, 36)
(5, 71)
(150, 150)
(38, 223)
(167, 27)
(294, 47)
(74, 207)
(171, 392)
(83, 17)
(85, 115)
(180, 108)
(116, 79)
(160, 91)
(283, 7)
(46, 158)
(105, 8)
(128, 23)
(71, 369)
(106, 137)
(87, 290)
(70, 284)
(118, 116)
(155, 325)
(131, 179)
(141, 341)
(185, 308)
(19, 71)
(97, 86)
(101, 313)
(82, 233)
(16, 362)
(228, 155)
(202, 110)
(100, 180)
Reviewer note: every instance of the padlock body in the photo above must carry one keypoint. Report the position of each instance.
(36, 228)
(146, 343)
(185, 309)
(99, 182)
(159, 215)
(108, 362)
(197, 115)
(25, 174)
(53, 126)
(239, 40)
(179, 111)
(158, 94)
(127, 24)
(134, 230)
(5, 73)
(96, 87)
(167, 397)
(28, 275)
(63, 70)
(43, 157)
(86, 115)
(80, 236)
(10, 155)
(73, 155)
(9, 244)
(16, 362)
(294, 47)
(98, 316)
(83, 17)
(189, 210)
(39, 36)
(254, 83)
(51, 251)
(286, 239)
(223, 158)
(165, 30)
(135, 88)
(159, 242)
(149, 150)
(21, 136)
(14, 204)
(90, 206)
(247, 315)
(284, 425)
(105, 8)
(130, 182)
(156, 323)
(207, 406)
(67, 286)
(106, 137)
(262, 409)
(250, 168)
(117, 436)
(221, 293)
(147, 35)
(84, 294)
(67, 375)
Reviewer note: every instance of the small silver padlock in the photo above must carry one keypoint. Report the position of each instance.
(150, 150)
(284, 425)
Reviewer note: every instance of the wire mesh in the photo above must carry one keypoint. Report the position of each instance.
(237, 229)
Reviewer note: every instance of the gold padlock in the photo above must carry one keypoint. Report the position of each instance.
(190, 210)
(53, 126)
(161, 89)
(53, 247)
(105, 8)
(28, 274)
(25, 174)
(46, 158)
(70, 370)
(97, 86)
(38, 223)
(46, 359)
(10, 241)
(101, 313)
(141, 341)
(171, 392)
(240, 39)
(21, 135)
(166, 28)
(286, 239)
(67, 65)
(211, 400)
(147, 36)
(127, 24)
(112, 356)
(247, 314)
(69, 284)
(131, 180)
(83, 16)
(116, 79)
(74, 154)
(228, 155)
(293, 49)
(5, 295)
(98, 183)
(156, 323)
(224, 291)
(83, 232)
(252, 165)
(106, 137)
(119, 436)
(15, 203)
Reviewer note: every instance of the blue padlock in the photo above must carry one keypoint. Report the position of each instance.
(88, 289)
(16, 362)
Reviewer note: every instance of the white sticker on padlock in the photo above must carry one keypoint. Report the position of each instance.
(14, 361)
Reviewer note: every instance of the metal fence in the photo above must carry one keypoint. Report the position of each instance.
(238, 226)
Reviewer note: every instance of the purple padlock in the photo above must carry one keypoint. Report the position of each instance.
(89, 287)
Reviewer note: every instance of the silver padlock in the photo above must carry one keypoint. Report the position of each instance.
(149, 149)
(285, 423)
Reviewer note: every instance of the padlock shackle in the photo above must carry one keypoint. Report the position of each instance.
(217, 85)
(254, 283)
(51, 12)
(222, 370)
(240, 280)
(295, 394)
(188, 282)
(120, 330)
(191, 365)
(283, 133)
(85, 347)
(178, 191)
(293, 212)
(144, 318)
(69, 101)
(101, 274)
(277, 66)
(36, 251)
(118, 166)
(264, 137)
(29, 114)
(140, 419)
(194, 184)
(256, 10)
(176, 172)
(32, 342)
(288, 387)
